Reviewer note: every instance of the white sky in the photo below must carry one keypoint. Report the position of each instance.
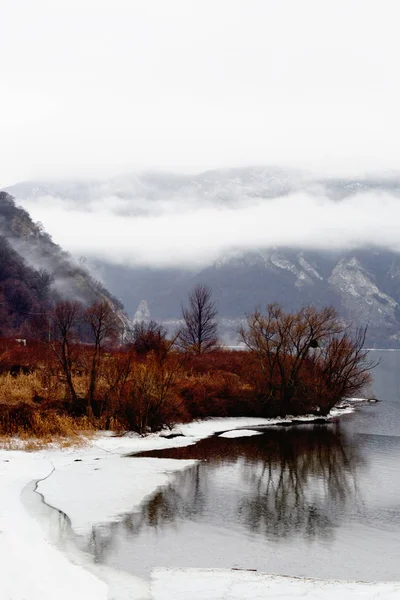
(96, 87)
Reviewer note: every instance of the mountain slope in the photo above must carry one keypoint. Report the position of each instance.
(34, 271)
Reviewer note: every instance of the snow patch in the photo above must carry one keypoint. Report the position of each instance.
(207, 427)
(240, 433)
(349, 276)
(309, 268)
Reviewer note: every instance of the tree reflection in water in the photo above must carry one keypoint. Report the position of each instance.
(304, 482)
(299, 480)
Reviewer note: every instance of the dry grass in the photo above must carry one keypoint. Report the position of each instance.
(27, 417)
(28, 443)
(19, 389)
(42, 428)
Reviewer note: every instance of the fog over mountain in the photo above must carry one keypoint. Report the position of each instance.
(164, 220)
(256, 235)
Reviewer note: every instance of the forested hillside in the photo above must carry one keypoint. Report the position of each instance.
(35, 272)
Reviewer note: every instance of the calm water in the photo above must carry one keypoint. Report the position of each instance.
(320, 501)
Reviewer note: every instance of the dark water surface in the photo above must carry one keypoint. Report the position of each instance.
(312, 500)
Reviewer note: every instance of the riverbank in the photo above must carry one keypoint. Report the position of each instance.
(94, 484)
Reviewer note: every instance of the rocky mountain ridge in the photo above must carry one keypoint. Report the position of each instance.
(363, 286)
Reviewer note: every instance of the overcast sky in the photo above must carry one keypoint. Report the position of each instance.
(97, 87)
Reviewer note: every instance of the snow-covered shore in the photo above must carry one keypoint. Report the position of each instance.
(215, 584)
(31, 567)
(95, 484)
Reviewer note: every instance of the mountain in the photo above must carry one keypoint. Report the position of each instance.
(362, 283)
(139, 193)
(35, 272)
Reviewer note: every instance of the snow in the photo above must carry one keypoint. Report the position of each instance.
(32, 568)
(240, 433)
(102, 488)
(99, 483)
(201, 429)
(77, 485)
(350, 277)
(204, 584)
(306, 265)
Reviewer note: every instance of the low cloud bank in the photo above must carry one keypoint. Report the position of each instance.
(194, 232)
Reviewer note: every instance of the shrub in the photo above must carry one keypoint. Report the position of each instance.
(215, 394)
(150, 401)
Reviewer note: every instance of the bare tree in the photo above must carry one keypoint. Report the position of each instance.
(199, 333)
(63, 323)
(345, 365)
(305, 360)
(104, 326)
(116, 373)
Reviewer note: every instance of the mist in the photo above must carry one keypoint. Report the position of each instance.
(193, 231)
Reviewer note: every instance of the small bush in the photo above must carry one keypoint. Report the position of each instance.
(150, 401)
(215, 394)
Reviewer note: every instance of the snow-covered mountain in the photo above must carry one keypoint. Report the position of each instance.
(362, 283)
(221, 185)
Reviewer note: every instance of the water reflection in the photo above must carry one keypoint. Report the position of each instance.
(304, 482)
(286, 482)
